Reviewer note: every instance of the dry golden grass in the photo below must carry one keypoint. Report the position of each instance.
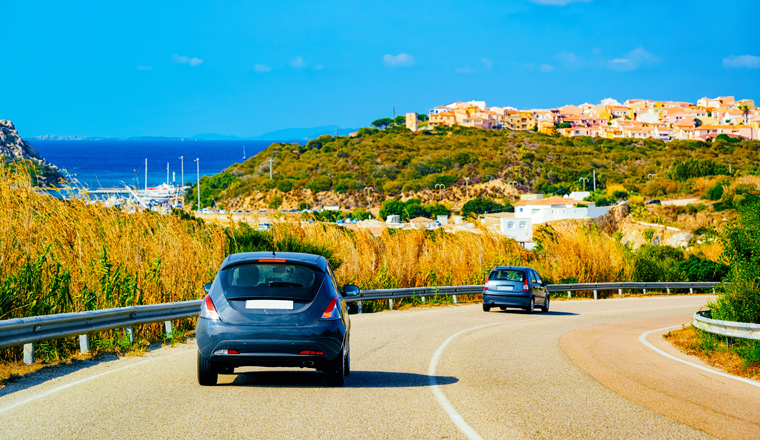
(687, 340)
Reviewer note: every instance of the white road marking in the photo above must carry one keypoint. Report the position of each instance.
(644, 341)
(455, 417)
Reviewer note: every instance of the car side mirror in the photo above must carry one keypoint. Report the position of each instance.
(207, 288)
(350, 290)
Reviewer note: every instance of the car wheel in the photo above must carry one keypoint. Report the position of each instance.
(545, 307)
(529, 309)
(207, 374)
(336, 372)
(486, 308)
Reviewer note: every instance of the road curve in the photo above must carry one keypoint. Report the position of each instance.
(448, 372)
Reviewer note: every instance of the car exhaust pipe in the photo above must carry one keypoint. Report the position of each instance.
(308, 363)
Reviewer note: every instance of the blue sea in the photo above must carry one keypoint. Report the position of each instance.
(114, 163)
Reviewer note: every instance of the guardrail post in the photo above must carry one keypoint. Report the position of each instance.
(645, 291)
(620, 293)
(595, 297)
(29, 353)
(423, 299)
(168, 328)
(390, 303)
(455, 298)
(691, 290)
(84, 343)
(359, 306)
(668, 290)
(130, 334)
(569, 294)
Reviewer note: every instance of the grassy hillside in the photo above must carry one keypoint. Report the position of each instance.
(395, 161)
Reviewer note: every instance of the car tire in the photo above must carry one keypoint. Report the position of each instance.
(503, 308)
(207, 374)
(530, 307)
(486, 308)
(545, 307)
(336, 372)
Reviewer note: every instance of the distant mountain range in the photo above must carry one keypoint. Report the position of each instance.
(287, 134)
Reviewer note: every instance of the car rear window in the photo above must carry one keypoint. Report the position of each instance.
(270, 280)
(507, 275)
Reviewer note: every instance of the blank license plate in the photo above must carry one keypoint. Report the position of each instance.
(269, 304)
(505, 288)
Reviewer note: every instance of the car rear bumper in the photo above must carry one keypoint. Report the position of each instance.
(520, 300)
(271, 346)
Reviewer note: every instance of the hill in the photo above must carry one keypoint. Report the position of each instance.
(395, 162)
(14, 150)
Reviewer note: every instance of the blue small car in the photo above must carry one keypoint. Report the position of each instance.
(274, 310)
(514, 286)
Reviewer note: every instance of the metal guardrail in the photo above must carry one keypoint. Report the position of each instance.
(726, 328)
(27, 331)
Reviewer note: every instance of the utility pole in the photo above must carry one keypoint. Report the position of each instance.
(594, 180)
(271, 161)
(394, 112)
(467, 187)
(198, 174)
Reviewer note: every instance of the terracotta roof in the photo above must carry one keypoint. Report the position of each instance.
(420, 220)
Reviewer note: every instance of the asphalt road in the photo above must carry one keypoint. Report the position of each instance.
(444, 373)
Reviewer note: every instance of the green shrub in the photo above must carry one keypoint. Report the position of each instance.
(657, 264)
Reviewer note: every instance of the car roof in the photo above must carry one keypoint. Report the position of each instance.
(511, 267)
(289, 257)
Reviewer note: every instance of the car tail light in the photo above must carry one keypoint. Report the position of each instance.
(271, 260)
(208, 310)
(226, 351)
(332, 312)
(312, 352)
(525, 286)
(486, 286)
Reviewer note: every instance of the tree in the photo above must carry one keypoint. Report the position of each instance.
(483, 206)
(422, 117)
(745, 111)
(382, 123)
(697, 122)
(400, 121)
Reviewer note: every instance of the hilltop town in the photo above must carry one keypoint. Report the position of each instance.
(634, 118)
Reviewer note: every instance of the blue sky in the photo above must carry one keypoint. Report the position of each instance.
(179, 68)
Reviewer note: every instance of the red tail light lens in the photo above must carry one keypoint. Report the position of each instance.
(312, 353)
(271, 260)
(332, 312)
(525, 287)
(208, 310)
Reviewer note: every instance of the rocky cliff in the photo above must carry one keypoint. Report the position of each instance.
(14, 149)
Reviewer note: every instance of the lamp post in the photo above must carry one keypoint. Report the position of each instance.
(367, 192)
(441, 187)
(467, 187)
(651, 176)
(271, 161)
(198, 174)
(584, 180)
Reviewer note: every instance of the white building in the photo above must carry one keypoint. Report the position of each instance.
(543, 210)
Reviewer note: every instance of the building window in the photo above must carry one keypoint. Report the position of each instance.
(522, 225)
(510, 225)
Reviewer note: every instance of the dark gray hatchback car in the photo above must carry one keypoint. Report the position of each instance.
(276, 310)
(514, 286)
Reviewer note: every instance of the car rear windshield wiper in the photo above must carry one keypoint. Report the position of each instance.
(283, 284)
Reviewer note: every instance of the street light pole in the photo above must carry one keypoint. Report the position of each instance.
(271, 161)
(441, 187)
(198, 174)
(368, 190)
(584, 180)
(467, 187)
(594, 180)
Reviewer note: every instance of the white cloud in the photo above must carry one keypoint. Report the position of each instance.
(570, 60)
(261, 68)
(487, 63)
(180, 59)
(144, 67)
(465, 69)
(742, 62)
(400, 60)
(634, 59)
(559, 2)
(546, 68)
(297, 63)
